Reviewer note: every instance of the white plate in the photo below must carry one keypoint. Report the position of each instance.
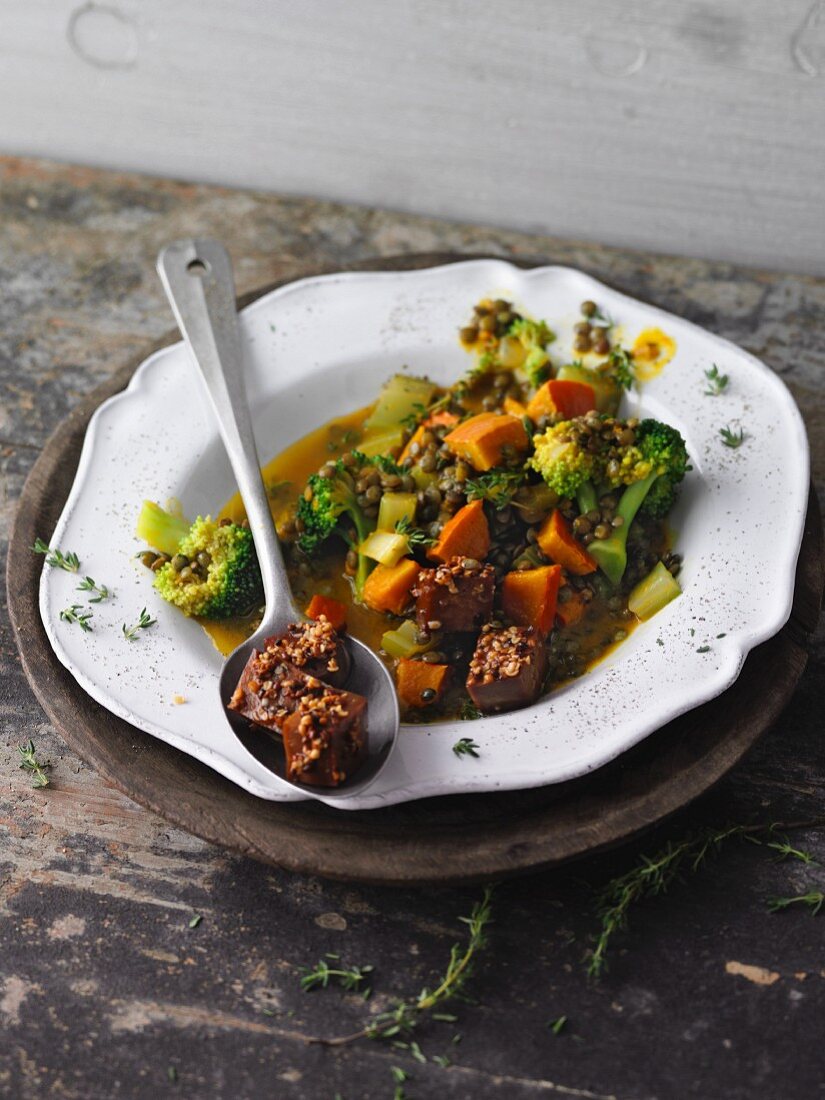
(320, 347)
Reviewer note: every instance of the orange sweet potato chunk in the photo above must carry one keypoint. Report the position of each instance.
(441, 417)
(571, 610)
(416, 679)
(528, 597)
(568, 399)
(387, 588)
(488, 440)
(333, 611)
(557, 542)
(466, 535)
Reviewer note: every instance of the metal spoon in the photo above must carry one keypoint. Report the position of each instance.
(197, 278)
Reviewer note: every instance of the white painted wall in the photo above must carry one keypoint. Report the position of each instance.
(691, 126)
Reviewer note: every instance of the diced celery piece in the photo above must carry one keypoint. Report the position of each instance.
(382, 441)
(394, 508)
(607, 394)
(402, 642)
(398, 399)
(511, 352)
(422, 479)
(385, 547)
(653, 593)
(535, 501)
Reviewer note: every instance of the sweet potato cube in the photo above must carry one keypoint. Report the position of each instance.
(557, 397)
(420, 684)
(528, 597)
(558, 543)
(387, 588)
(466, 534)
(507, 668)
(489, 439)
(326, 743)
(438, 418)
(571, 609)
(332, 610)
(457, 598)
(514, 408)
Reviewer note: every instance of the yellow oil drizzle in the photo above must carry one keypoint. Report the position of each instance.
(653, 349)
(285, 477)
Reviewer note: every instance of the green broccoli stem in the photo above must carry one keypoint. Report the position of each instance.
(363, 527)
(611, 553)
(586, 498)
(160, 529)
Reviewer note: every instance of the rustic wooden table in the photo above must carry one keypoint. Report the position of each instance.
(107, 990)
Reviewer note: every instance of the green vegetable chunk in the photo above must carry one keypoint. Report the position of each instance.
(400, 397)
(223, 577)
(653, 593)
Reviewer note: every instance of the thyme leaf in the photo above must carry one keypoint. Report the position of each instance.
(717, 383)
(814, 899)
(144, 621)
(732, 439)
(498, 487)
(465, 746)
(415, 535)
(69, 561)
(622, 368)
(469, 711)
(100, 590)
(76, 614)
(322, 974)
(30, 763)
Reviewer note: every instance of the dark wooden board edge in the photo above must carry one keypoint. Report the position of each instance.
(458, 839)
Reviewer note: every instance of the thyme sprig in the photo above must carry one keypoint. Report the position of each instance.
(415, 535)
(30, 763)
(814, 899)
(717, 383)
(144, 621)
(68, 561)
(404, 1017)
(101, 592)
(469, 711)
(654, 874)
(622, 368)
(465, 746)
(784, 847)
(350, 978)
(731, 438)
(498, 487)
(77, 614)
(599, 319)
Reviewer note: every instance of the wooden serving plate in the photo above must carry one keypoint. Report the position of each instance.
(460, 838)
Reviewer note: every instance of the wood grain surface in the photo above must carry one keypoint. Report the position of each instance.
(447, 840)
(105, 988)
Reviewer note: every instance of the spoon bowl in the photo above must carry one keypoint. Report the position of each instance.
(364, 679)
(197, 278)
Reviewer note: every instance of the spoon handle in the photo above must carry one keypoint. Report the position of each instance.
(197, 278)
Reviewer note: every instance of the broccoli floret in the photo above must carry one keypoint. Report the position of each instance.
(534, 336)
(219, 577)
(585, 456)
(665, 448)
(329, 501)
(658, 464)
(562, 460)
